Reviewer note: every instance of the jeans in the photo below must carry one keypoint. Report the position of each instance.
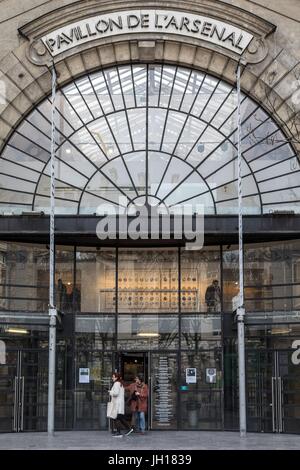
(140, 420)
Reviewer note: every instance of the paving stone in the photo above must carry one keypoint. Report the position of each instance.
(154, 440)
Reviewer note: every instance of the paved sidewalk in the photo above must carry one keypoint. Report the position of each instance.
(168, 440)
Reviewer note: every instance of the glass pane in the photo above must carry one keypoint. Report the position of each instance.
(169, 114)
(24, 277)
(95, 332)
(271, 278)
(230, 277)
(201, 390)
(35, 392)
(95, 279)
(91, 396)
(67, 295)
(200, 280)
(145, 332)
(148, 280)
(8, 372)
(197, 330)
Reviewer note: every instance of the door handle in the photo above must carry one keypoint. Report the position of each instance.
(16, 404)
(22, 404)
(273, 404)
(280, 405)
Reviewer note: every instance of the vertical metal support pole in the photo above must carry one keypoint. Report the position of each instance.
(52, 307)
(241, 309)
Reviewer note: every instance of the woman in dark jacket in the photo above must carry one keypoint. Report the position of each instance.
(139, 401)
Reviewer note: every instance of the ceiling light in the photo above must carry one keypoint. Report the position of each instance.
(68, 150)
(19, 331)
(148, 335)
(280, 330)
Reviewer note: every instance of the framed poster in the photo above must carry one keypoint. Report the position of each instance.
(84, 375)
(210, 375)
(191, 375)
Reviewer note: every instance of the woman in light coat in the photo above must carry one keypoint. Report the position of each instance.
(117, 398)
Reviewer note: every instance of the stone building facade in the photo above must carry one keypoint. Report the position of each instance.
(146, 103)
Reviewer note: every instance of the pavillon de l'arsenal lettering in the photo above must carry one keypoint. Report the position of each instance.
(150, 212)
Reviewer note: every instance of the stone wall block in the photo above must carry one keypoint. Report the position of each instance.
(22, 103)
(171, 52)
(187, 54)
(11, 115)
(75, 65)
(202, 58)
(122, 52)
(134, 51)
(159, 51)
(91, 59)
(218, 63)
(107, 54)
(63, 72)
(4, 130)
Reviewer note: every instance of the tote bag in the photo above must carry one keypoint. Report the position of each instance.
(111, 410)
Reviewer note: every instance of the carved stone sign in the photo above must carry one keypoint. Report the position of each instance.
(147, 21)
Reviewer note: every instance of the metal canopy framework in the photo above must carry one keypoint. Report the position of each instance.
(156, 133)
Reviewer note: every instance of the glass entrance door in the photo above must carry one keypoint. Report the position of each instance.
(8, 391)
(160, 370)
(93, 380)
(287, 386)
(23, 391)
(130, 365)
(273, 392)
(33, 391)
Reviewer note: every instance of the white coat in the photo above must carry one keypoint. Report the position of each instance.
(117, 397)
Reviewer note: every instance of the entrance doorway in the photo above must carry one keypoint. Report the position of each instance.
(131, 365)
(160, 372)
(24, 391)
(273, 392)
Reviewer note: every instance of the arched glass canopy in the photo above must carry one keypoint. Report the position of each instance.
(156, 133)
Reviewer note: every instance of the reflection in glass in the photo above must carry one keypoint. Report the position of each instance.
(201, 399)
(230, 277)
(199, 269)
(67, 295)
(272, 276)
(95, 279)
(198, 331)
(95, 332)
(24, 277)
(145, 332)
(90, 399)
